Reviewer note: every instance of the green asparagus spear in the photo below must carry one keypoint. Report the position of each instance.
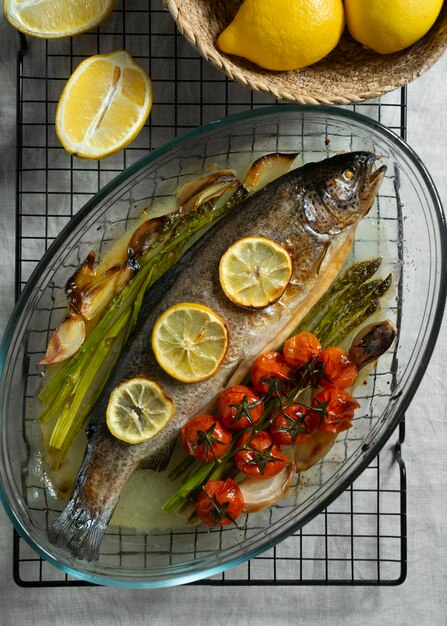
(199, 477)
(336, 338)
(355, 275)
(83, 375)
(347, 304)
(77, 406)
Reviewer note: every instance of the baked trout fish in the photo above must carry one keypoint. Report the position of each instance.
(312, 212)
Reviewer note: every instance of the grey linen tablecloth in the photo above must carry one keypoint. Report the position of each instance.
(422, 599)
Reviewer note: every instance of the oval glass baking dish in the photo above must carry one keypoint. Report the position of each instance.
(406, 227)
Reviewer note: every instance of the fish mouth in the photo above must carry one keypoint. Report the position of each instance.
(372, 181)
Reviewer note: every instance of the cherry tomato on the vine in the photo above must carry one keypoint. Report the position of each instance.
(335, 409)
(219, 503)
(293, 425)
(239, 407)
(270, 372)
(338, 369)
(205, 438)
(301, 349)
(260, 457)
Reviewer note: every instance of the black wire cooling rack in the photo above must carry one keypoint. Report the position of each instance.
(361, 538)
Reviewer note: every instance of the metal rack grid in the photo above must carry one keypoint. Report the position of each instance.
(361, 537)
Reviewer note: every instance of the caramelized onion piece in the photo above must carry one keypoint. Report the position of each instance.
(83, 276)
(88, 291)
(212, 193)
(94, 298)
(210, 187)
(66, 339)
(313, 449)
(371, 342)
(267, 168)
(144, 235)
(260, 494)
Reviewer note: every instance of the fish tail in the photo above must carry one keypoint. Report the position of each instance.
(79, 528)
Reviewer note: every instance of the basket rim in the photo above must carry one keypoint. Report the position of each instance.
(220, 60)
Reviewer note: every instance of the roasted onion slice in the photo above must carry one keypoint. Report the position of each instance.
(260, 494)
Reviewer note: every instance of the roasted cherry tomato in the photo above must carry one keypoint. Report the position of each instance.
(205, 438)
(239, 407)
(301, 349)
(336, 409)
(270, 372)
(260, 457)
(293, 425)
(219, 503)
(338, 369)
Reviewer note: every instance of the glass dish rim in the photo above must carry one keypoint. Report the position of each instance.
(400, 406)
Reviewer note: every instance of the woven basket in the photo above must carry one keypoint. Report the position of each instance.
(351, 73)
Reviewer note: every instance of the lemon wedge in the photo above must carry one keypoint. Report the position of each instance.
(190, 342)
(254, 272)
(138, 409)
(56, 18)
(103, 106)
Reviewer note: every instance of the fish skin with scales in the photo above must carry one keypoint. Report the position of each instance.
(312, 211)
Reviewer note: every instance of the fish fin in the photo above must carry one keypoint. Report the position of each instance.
(79, 529)
(159, 461)
(326, 246)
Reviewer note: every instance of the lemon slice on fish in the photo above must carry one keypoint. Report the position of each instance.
(138, 409)
(190, 342)
(254, 272)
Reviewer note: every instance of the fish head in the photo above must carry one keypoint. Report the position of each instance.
(340, 190)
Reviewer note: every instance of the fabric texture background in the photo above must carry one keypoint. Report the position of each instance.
(422, 599)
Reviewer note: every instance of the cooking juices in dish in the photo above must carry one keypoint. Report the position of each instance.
(416, 298)
(312, 212)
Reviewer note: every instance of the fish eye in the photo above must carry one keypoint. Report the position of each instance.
(348, 174)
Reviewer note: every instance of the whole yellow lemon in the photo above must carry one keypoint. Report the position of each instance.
(284, 34)
(388, 26)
